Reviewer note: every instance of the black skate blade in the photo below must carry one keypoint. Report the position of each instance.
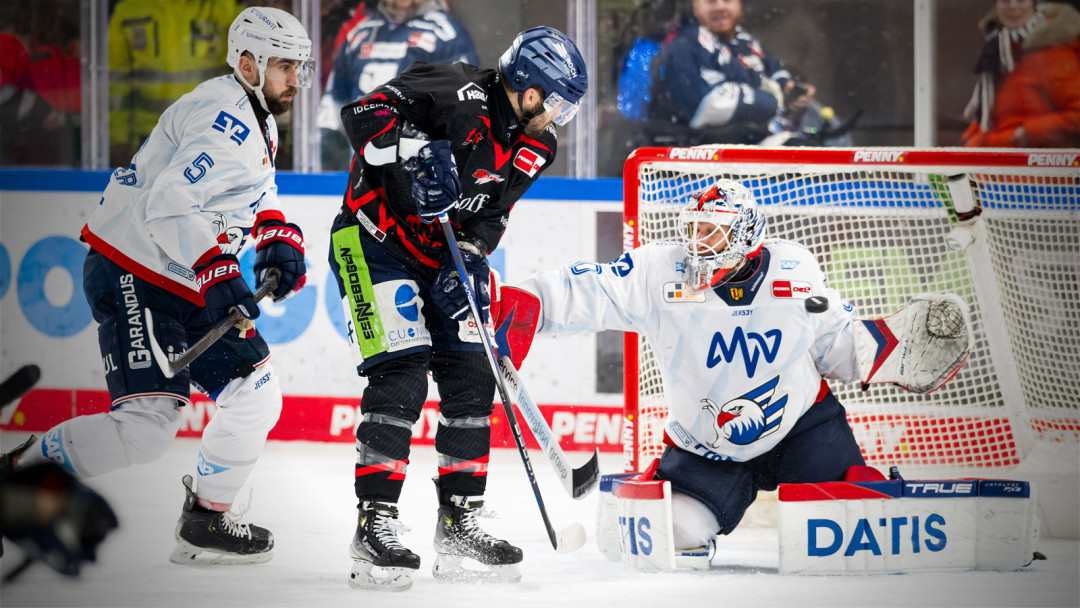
(19, 383)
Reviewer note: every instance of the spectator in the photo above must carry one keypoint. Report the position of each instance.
(159, 51)
(41, 95)
(714, 75)
(376, 45)
(1027, 92)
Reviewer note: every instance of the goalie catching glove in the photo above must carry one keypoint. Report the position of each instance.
(919, 348)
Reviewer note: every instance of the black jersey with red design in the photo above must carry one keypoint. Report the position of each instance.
(496, 161)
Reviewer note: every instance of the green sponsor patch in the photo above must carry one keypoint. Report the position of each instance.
(359, 292)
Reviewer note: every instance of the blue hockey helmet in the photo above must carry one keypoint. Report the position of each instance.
(545, 57)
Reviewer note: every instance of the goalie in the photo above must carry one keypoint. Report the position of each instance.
(745, 331)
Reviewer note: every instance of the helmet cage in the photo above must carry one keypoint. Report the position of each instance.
(546, 58)
(269, 32)
(729, 205)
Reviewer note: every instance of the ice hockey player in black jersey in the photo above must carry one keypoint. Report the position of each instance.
(437, 143)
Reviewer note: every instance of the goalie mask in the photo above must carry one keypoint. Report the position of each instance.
(723, 227)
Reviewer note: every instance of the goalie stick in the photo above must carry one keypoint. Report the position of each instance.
(578, 482)
(171, 367)
(573, 537)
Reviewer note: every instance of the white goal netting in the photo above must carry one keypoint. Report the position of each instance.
(878, 227)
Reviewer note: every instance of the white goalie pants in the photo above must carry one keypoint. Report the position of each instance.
(140, 431)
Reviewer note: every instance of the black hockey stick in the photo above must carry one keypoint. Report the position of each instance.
(579, 481)
(19, 383)
(573, 537)
(172, 366)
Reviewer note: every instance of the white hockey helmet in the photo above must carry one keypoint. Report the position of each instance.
(723, 227)
(269, 32)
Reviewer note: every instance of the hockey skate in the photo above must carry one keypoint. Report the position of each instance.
(379, 559)
(458, 537)
(211, 538)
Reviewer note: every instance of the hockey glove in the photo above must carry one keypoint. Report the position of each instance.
(448, 292)
(435, 185)
(281, 246)
(223, 288)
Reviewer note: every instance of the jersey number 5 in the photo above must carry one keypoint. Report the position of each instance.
(201, 163)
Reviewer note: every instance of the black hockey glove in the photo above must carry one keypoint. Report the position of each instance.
(64, 536)
(223, 288)
(281, 246)
(435, 186)
(448, 292)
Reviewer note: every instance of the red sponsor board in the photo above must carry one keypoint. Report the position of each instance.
(329, 419)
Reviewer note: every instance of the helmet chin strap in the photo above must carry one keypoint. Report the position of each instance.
(256, 89)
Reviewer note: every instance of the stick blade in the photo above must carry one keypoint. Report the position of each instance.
(19, 383)
(570, 539)
(586, 477)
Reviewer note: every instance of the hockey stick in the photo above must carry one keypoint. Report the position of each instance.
(577, 482)
(19, 383)
(171, 367)
(573, 537)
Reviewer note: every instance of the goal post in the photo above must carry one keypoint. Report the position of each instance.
(886, 224)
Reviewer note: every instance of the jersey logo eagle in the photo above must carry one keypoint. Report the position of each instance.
(748, 417)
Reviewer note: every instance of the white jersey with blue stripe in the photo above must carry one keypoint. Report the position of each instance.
(740, 362)
(197, 182)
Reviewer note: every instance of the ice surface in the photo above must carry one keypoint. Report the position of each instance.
(303, 493)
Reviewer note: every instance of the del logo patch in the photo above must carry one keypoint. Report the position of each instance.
(790, 289)
(528, 161)
(679, 291)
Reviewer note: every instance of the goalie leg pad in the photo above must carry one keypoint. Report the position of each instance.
(648, 529)
(906, 526)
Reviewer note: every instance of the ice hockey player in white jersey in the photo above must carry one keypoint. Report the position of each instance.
(744, 331)
(165, 238)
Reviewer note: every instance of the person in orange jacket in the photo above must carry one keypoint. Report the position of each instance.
(1028, 88)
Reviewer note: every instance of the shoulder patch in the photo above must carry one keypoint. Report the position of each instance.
(679, 291)
(529, 161)
(232, 126)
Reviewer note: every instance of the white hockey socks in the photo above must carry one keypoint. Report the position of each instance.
(137, 433)
(247, 408)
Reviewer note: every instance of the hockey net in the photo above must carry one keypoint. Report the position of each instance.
(877, 220)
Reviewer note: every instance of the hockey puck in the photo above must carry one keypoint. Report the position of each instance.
(817, 304)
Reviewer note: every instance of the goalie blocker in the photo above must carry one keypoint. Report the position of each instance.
(866, 525)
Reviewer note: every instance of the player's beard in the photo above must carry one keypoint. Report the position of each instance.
(278, 107)
(536, 125)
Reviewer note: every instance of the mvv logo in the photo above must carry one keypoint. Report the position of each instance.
(751, 345)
